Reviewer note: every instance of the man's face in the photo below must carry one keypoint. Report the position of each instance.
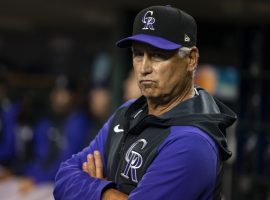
(161, 74)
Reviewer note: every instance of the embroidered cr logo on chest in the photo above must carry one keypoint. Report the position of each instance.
(134, 161)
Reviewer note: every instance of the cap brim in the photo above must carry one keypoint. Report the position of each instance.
(155, 41)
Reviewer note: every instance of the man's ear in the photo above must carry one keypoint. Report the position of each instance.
(193, 59)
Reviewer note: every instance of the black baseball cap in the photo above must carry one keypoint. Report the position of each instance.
(164, 27)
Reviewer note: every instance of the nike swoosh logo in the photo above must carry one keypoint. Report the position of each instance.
(117, 129)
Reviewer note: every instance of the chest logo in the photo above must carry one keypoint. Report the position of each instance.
(117, 129)
(134, 160)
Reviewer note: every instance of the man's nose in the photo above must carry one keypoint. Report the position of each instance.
(146, 65)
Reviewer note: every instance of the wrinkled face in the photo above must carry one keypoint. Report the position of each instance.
(161, 74)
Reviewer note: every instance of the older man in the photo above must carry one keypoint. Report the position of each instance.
(169, 143)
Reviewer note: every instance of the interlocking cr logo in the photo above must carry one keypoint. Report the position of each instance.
(134, 161)
(148, 20)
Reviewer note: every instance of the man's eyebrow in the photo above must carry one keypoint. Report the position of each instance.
(155, 50)
(135, 49)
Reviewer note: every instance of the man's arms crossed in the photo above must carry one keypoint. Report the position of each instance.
(72, 182)
(94, 167)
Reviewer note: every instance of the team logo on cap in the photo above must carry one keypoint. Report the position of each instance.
(148, 20)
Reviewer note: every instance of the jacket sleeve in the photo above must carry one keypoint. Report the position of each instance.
(72, 183)
(185, 168)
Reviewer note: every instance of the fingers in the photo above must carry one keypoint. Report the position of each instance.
(84, 167)
(91, 168)
(99, 166)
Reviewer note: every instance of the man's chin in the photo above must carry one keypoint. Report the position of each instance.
(149, 95)
(152, 97)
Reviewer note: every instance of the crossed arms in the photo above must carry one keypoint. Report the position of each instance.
(94, 167)
(185, 172)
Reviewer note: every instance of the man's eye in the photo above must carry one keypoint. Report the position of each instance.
(158, 56)
(137, 54)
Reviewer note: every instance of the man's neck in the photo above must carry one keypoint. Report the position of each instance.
(159, 108)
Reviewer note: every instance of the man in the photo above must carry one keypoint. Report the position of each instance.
(168, 144)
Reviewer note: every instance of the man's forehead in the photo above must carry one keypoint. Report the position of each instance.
(144, 46)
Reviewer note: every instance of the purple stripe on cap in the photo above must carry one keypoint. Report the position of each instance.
(155, 41)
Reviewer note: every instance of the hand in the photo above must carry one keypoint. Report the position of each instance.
(94, 166)
(112, 194)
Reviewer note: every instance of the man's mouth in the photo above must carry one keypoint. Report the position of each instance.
(146, 82)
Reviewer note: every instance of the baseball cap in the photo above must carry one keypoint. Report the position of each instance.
(164, 27)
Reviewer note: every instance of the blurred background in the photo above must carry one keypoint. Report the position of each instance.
(61, 76)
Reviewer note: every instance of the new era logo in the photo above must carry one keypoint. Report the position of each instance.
(187, 39)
